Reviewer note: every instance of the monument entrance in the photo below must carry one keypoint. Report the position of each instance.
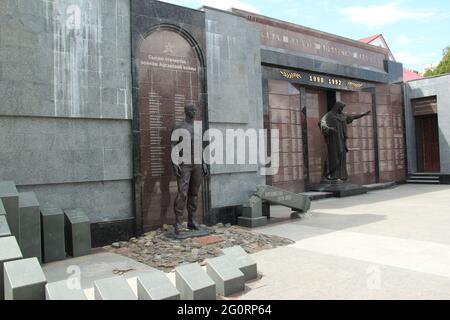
(169, 78)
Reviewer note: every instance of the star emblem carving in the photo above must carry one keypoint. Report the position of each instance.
(169, 48)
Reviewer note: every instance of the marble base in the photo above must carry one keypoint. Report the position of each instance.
(340, 189)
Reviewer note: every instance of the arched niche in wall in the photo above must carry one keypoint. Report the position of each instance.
(169, 71)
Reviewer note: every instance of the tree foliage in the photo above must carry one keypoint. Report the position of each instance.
(443, 67)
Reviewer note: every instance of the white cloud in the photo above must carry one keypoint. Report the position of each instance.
(219, 4)
(404, 40)
(227, 4)
(414, 59)
(376, 16)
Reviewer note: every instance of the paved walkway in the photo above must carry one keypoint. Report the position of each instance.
(391, 244)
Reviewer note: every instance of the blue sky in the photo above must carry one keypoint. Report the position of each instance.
(417, 31)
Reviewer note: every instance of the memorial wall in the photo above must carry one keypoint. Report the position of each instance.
(168, 58)
(65, 112)
(92, 89)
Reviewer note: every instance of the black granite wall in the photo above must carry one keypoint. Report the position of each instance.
(147, 17)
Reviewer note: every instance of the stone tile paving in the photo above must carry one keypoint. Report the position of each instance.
(156, 250)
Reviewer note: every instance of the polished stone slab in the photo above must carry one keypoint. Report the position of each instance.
(24, 280)
(9, 251)
(285, 198)
(113, 289)
(243, 261)
(4, 228)
(340, 189)
(226, 274)
(193, 283)
(53, 239)
(78, 233)
(30, 226)
(156, 286)
(61, 291)
(10, 198)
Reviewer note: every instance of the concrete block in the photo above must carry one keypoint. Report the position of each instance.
(78, 233)
(4, 228)
(298, 202)
(194, 284)
(252, 222)
(244, 262)
(60, 291)
(2, 209)
(252, 208)
(30, 226)
(156, 286)
(9, 251)
(53, 240)
(10, 198)
(24, 280)
(226, 274)
(113, 289)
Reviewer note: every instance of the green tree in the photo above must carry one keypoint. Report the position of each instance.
(443, 67)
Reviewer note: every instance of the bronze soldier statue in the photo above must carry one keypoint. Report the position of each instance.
(334, 128)
(189, 177)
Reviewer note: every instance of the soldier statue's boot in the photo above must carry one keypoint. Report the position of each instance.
(192, 224)
(177, 227)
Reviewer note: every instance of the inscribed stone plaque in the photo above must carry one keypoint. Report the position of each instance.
(278, 196)
(168, 79)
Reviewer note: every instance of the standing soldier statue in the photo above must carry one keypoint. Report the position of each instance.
(334, 128)
(189, 175)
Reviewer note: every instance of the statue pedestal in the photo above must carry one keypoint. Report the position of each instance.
(340, 189)
(187, 234)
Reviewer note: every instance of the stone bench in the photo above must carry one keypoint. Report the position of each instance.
(53, 238)
(30, 226)
(156, 286)
(24, 280)
(113, 289)
(9, 251)
(61, 291)
(10, 199)
(78, 233)
(227, 276)
(243, 261)
(194, 284)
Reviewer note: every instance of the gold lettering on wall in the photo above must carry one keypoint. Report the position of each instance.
(291, 75)
(355, 85)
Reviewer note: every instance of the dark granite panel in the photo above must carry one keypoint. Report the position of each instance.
(161, 88)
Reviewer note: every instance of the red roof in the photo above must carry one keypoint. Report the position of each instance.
(409, 75)
(370, 39)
